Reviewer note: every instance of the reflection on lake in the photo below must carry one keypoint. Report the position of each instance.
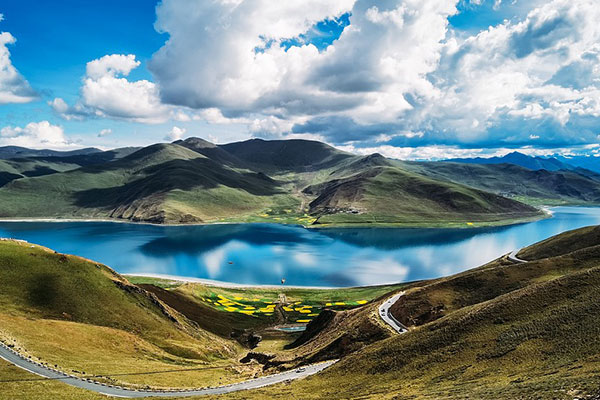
(265, 253)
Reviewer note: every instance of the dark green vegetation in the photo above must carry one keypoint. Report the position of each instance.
(513, 181)
(500, 331)
(287, 181)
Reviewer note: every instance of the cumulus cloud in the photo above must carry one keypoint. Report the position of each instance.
(175, 133)
(107, 93)
(398, 71)
(13, 86)
(36, 135)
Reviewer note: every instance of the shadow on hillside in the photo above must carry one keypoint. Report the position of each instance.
(178, 174)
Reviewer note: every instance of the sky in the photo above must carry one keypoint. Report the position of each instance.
(411, 79)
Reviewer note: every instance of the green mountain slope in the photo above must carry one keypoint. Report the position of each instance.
(535, 187)
(388, 194)
(287, 155)
(291, 181)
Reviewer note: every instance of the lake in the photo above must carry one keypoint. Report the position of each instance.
(266, 253)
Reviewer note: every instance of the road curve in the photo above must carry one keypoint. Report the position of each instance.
(388, 318)
(513, 256)
(115, 391)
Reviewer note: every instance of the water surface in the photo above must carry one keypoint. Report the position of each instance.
(266, 253)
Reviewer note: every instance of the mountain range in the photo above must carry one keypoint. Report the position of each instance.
(288, 181)
(584, 165)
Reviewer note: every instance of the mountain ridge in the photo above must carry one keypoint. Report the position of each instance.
(287, 181)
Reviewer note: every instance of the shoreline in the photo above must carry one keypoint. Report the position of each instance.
(231, 285)
(546, 212)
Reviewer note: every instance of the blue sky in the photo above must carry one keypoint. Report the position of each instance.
(410, 79)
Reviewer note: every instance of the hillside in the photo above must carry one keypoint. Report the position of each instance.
(8, 152)
(388, 194)
(533, 187)
(84, 317)
(287, 181)
(503, 331)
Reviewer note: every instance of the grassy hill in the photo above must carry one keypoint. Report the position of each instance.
(530, 186)
(505, 331)
(84, 317)
(388, 194)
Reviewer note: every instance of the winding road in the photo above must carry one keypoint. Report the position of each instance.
(513, 256)
(116, 391)
(388, 318)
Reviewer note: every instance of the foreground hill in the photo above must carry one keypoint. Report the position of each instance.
(501, 331)
(84, 317)
(291, 181)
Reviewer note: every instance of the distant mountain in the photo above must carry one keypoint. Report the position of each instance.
(577, 164)
(7, 152)
(291, 181)
(525, 161)
(587, 162)
(39, 165)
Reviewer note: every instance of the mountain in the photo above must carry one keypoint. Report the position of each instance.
(7, 152)
(39, 165)
(292, 181)
(590, 163)
(531, 186)
(586, 166)
(283, 155)
(516, 158)
(500, 331)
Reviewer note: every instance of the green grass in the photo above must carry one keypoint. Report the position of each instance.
(82, 316)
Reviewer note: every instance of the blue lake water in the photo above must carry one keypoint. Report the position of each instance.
(266, 253)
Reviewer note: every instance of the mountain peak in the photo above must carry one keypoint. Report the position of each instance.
(195, 143)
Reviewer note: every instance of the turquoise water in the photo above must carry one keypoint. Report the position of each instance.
(266, 253)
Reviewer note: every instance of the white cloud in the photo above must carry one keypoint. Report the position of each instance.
(441, 152)
(36, 135)
(104, 132)
(13, 87)
(398, 67)
(107, 93)
(175, 133)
